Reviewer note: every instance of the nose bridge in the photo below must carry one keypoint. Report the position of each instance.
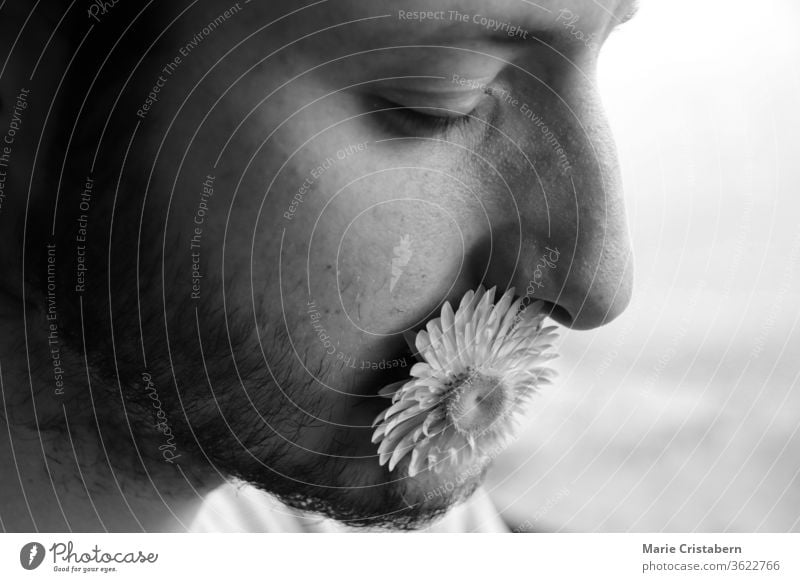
(571, 206)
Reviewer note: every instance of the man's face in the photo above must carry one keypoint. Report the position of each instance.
(336, 174)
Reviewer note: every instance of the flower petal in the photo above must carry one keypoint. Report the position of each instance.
(468, 353)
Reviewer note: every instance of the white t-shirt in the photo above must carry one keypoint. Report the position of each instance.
(242, 508)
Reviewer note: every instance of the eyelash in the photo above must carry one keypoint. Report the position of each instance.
(411, 121)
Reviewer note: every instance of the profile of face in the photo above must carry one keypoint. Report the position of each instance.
(275, 192)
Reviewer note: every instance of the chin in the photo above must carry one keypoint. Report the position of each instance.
(350, 484)
(403, 502)
(366, 495)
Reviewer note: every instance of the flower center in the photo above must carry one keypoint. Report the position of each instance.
(476, 402)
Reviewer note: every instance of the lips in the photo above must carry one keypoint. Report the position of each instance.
(398, 363)
(483, 362)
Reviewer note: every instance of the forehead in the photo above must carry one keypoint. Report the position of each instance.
(520, 11)
(443, 19)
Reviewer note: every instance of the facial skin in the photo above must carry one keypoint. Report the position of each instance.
(313, 175)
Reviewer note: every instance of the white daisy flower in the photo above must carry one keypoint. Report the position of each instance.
(481, 364)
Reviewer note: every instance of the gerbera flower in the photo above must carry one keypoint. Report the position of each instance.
(480, 366)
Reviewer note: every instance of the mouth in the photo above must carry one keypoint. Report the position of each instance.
(483, 361)
(393, 365)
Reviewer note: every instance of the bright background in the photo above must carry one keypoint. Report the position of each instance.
(684, 414)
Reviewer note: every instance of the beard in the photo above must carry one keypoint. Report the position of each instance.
(243, 405)
(210, 387)
(216, 389)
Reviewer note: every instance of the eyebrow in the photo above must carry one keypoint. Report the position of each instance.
(554, 37)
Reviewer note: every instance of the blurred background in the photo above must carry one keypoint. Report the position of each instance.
(684, 413)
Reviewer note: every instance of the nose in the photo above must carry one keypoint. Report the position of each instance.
(566, 241)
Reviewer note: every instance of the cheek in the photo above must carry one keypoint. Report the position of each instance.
(373, 240)
(392, 251)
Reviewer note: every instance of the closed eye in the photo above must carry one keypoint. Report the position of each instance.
(427, 120)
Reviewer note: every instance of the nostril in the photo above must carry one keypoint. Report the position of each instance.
(557, 313)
